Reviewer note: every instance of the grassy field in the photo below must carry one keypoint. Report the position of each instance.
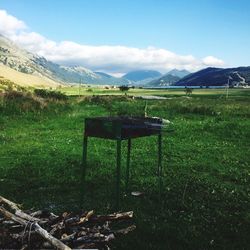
(93, 90)
(205, 202)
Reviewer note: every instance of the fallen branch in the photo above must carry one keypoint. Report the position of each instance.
(17, 210)
(125, 230)
(111, 217)
(34, 225)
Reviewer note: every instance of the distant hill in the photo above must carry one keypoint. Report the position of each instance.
(179, 73)
(217, 77)
(165, 80)
(170, 78)
(142, 76)
(22, 61)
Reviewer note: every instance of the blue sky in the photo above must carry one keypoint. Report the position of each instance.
(217, 28)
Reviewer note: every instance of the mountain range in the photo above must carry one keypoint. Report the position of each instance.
(155, 78)
(217, 77)
(169, 78)
(142, 77)
(27, 69)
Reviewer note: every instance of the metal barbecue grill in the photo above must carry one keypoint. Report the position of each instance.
(119, 129)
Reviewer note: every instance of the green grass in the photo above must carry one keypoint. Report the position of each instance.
(205, 202)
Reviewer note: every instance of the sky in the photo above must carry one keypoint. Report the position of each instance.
(119, 36)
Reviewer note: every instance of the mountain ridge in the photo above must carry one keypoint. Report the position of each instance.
(169, 78)
(212, 76)
(141, 77)
(180, 73)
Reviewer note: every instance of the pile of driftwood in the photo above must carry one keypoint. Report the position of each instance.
(45, 230)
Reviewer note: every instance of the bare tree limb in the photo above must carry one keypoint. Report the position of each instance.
(17, 210)
(48, 237)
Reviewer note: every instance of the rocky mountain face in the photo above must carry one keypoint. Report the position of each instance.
(23, 61)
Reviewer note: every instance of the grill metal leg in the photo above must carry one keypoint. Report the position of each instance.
(159, 155)
(118, 172)
(128, 164)
(160, 162)
(84, 159)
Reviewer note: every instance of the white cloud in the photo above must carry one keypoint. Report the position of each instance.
(211, 60)
(116, 60)
(10, 25)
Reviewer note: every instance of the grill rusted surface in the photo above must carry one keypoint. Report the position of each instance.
(122, 127)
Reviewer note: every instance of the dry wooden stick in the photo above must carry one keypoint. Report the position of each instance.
(17, 210)
(110, 217)
(125, 230)
(48, 237)
(86, 218)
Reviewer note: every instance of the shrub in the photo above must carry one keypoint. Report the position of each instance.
(17, 102)
(124, 88)
(50, 94)
(188, 91)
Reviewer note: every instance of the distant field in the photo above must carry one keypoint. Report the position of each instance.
(75, 90)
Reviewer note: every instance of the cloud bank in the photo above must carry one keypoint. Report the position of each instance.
(116, 60)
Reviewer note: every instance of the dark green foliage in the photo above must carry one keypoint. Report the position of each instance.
(124, 88)
(188, 91)
(50, 94)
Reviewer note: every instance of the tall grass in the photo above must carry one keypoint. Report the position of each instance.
(19, 102)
